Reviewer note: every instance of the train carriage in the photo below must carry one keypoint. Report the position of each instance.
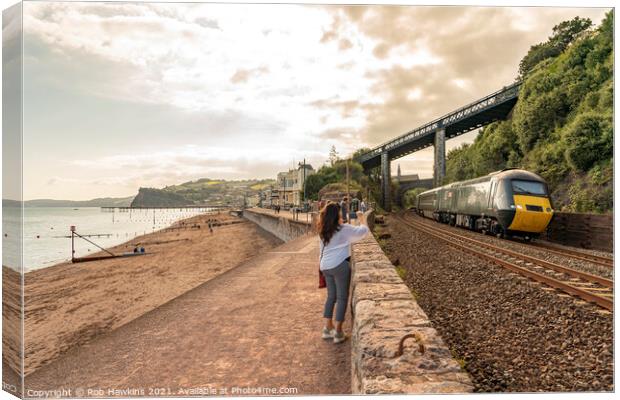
(505, 203)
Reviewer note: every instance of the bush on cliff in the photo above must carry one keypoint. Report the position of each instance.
(562, 124)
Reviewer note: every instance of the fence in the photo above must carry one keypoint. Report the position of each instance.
(590, 231)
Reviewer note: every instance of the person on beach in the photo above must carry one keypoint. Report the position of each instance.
(335, 249)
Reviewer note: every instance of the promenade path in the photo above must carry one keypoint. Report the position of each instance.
(288, 214)
(255, 326)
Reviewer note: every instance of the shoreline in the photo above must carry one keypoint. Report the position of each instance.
(67, 305)
(111, 239)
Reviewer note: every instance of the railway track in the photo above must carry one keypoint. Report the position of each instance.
(579, 255)
(574, 254)
(591, 288)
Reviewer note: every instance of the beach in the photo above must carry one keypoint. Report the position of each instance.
(70, 304)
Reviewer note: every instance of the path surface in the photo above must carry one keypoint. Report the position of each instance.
(257, 325)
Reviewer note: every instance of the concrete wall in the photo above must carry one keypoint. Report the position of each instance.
(383, 312)
(281, 227)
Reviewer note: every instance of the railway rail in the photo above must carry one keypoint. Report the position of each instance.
(568, 253)
(591, 288)
(579, 255)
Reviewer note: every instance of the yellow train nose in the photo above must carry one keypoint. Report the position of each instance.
(533, 214)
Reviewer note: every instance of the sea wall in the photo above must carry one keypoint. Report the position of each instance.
(280, 226)
(385, 312)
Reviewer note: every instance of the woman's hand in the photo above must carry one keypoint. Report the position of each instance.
(361, 218)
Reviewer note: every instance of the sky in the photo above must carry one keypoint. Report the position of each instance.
(119, 96)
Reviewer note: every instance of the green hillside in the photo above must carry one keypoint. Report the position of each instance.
(149, 197)
(562, 124)
(201, 191)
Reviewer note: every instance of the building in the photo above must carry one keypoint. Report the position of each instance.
(289, 187)
(267, 197)
(252, 201)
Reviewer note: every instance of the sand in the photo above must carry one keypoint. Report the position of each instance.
(257, 325)
(70, 304)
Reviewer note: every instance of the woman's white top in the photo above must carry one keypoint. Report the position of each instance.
(338, 248)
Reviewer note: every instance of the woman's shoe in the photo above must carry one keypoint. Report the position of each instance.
(339, 337)
(328, 334)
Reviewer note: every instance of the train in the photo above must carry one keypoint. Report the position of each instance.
(506, 203)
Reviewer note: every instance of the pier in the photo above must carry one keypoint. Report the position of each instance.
(193, 207)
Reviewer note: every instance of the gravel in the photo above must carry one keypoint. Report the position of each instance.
(510, 334)
(524, 248)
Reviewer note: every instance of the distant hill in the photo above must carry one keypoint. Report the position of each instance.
(10, 203)
(148, 197)
(202, 191)
(99, 202)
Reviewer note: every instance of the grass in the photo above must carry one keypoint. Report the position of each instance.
(461, 361)
(259, 186)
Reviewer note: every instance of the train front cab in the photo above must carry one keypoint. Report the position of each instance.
(523, 205)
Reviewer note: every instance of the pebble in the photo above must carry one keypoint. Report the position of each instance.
(513, 335)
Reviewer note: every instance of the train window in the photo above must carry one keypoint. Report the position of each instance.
(528, 187)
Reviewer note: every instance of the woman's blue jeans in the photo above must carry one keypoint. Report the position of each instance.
(337, 280)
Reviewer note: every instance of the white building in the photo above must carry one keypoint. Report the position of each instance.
(290, 185)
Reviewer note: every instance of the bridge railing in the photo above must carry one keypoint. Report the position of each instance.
(443, 121)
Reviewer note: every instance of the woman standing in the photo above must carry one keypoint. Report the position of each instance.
(335, 247)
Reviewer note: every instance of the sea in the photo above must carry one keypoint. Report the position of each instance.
(46, 231)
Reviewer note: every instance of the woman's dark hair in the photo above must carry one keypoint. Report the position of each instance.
(329, 222)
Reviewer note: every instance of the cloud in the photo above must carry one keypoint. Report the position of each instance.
(208, 23)
(344, 44)
(465, 53)
(243, 75)
(381, 50)
(252, 86)
(180, 164)
(347, 107)
(328, 36)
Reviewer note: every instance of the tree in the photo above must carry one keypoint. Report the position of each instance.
(356, 171)
(409, 197)
(333, 156)
(359, 152)
(563, 34)
(589, 139)
(314, 183)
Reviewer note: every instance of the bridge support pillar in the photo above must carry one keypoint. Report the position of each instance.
(439, 167)
(386, 191)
